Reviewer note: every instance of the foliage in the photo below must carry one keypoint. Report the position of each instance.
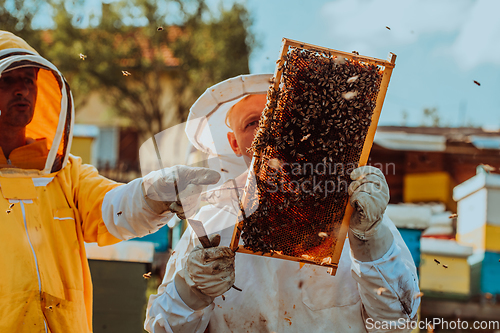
(432, 114)
(207, 47)
(16, 17)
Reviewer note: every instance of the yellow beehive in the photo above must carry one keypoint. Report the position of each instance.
(83, 141)
(492, 238)
(448, 268)
(479, 212)
(429, 187)
(485, 237)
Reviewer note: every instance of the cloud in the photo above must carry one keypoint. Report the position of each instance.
(472, 27)
(478, 41)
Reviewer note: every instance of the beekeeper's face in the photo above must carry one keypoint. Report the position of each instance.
(18, 91)
(244, 121)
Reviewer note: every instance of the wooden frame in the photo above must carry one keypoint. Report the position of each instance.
(342, 234)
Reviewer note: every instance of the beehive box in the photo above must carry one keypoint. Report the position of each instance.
(448, 269)
(429, 187)
(490, 271)
(318, 125)
(479, 212)
(412, 240)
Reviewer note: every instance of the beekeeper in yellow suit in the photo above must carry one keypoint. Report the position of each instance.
(375, 288)
(51, 203)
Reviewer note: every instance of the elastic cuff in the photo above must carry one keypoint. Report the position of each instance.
(154, 206)
(369, 233)
(388, 256)
(193, 298)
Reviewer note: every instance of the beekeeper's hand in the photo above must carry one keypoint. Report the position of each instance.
(207, 273)
(369, 195)
(161, 194)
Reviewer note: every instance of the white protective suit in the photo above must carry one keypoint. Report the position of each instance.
(279, 296)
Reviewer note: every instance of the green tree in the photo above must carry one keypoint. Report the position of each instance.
(432, 114)
(16, 16)
(209, 47)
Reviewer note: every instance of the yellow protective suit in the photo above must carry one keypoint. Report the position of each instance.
(50, 204)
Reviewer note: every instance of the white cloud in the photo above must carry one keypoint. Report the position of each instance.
(472, 27)
(479, 39)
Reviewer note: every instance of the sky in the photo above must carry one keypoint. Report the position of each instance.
(442, 47)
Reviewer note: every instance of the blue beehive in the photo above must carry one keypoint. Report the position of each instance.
(490, 272)
(412, 240)
(159, 239)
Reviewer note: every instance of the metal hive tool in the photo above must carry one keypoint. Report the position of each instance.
(318, 125)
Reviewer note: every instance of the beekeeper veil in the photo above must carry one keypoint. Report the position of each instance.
(206, 127)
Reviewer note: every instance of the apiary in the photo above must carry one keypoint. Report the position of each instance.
(318, 125)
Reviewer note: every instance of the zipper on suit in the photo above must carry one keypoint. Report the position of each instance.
(34, 255)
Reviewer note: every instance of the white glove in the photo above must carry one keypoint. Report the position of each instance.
(369, 197)
(177, 189)
(207, 273)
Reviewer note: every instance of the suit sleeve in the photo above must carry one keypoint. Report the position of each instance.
(166, 311)
(111, 211)
(388, 287)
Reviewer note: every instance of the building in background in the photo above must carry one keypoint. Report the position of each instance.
(445, 200)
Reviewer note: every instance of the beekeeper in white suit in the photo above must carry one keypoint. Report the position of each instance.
(376, 283)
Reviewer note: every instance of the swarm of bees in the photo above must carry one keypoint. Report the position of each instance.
(319, 117)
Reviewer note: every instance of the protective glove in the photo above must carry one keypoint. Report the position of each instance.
(177, 189)
(207, 273)
(370, 239)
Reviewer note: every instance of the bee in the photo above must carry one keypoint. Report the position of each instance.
(224, 170)
(223, 297)
(349, 95)
(437, 261)
(487, 168)
(119, 213)
(126, 73)
(49, 307)
(387, 28)
(8, 211)
(146, 275)
(355, 52)
(305, 137)
(322, 234)
(453, 216)
(352, 79)
(477, 83)
(83, 56)
(418, 295)
(445, 266)
(160, 28)
(381, 290)
(11, 205)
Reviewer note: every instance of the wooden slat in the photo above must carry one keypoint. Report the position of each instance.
(281, 256)
(390, 63)
(387, 71)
